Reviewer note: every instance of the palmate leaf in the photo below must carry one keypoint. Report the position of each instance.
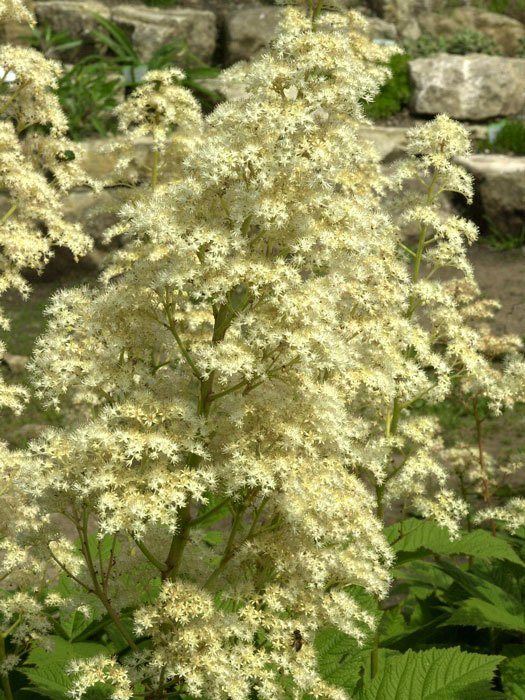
(493, 601)
(342, 662)
(435, 674)
(48, 672)
(513, 677)
(413, 538)
(482, 615)
(74, 623)
(340, 659)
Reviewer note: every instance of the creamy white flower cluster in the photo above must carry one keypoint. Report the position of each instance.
(442, 340)
(37, 165)
(218, 359)
(249, 366)
(36, 168)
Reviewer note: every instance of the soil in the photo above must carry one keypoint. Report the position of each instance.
(501, 276)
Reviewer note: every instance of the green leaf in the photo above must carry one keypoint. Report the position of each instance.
(513, 678)
(103, 547)
(339, 659)
(423, 575)
(342, 662)
(495, 597)
(215, 511)
(74, 623)
(414, 634)
(482, 615)
(213, 537)
(115, 39)
(47, 671)
(422, 537)
(435, 674)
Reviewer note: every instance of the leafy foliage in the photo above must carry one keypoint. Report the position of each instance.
(434, 674)
(52, 44)
(513, 678)
(464, 42)
(91, 89)
(513, 8)
(162, 3)
(395, 93)
(499, 239)
(48, 670)
(509, 137)
(417, 538)
(88, 93)
(442, 601)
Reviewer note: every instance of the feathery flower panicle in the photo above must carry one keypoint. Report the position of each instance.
(248, 367)
(442, 340)
(511, 514)
(36, 164)
(218, 359)
(163, 115)
(15, 11)
(36, 168)
(99, 669)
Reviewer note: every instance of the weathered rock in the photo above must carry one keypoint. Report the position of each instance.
(500, 191)
(151, 27)
(381, 29)
(474, 87)
(221, 8)
(228, 89)
(505, 31)
(15, 363)
(249, 30)
(96, 211)
(99, 159)
(390, 141)
(73, 17)
(224, 7)
(403, 14)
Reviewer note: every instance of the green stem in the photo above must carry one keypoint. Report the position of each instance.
(228, 390)
(485, 486)
(223, 317)
(6, 686)
(380, 507)
(197, 521)
(423, 230)
(97, 588)
(230, 547)
(8, 214)
(173, 329)
(149, 555)
(178, 544)
(374, 654)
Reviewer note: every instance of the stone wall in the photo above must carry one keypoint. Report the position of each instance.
(473, 88)
(223, 31)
